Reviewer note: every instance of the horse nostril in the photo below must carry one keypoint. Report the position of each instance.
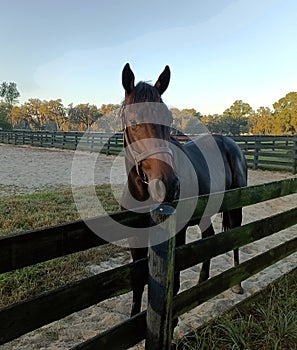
(161, 191)
(157, 190)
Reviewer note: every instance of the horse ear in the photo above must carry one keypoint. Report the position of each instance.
(163, 80)
(128, 79)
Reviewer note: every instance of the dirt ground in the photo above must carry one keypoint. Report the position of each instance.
(26, 170)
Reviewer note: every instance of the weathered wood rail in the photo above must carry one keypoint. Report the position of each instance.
(29, 248)
(106, 143)
(277, 152)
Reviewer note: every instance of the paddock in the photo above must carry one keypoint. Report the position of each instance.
(37, 169)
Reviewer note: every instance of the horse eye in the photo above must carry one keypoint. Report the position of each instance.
(133, 122)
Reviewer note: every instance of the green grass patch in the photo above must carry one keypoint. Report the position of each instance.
(32, 211)
(33, 280)
(267, 321)
(42, 209)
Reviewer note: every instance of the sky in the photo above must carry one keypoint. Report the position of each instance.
(218, 51)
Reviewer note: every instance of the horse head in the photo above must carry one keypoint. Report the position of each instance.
(146, 121)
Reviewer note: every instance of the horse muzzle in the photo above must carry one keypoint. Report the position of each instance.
(164, 190)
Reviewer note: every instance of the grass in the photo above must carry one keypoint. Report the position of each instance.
(267, 321)
(32, 211)
(33, 280)
(41, 209)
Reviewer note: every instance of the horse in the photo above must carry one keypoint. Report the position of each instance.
(158, 167)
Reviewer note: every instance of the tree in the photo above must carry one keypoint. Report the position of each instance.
(54, 114)
(235, 118)
(83, 116)
(18, 117)
(195, 126)
(285, 114)
(213, 123)
(261, 122)
(34, 114)
(110, 118)
(4, 111)
(181, 117)
(9, 92)
(29, 115)
(239, 109)
(177, 118)
(233, 126)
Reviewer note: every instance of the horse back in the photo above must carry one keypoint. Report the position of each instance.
(216, 160)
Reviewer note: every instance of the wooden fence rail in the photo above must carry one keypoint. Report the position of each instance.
(120, 338)
(105, 143)
(35, 246)
(278, 152)
(48, 243)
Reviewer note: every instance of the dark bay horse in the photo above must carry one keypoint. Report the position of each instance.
(160, 169)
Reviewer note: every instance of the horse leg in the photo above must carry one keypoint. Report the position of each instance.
(204, 273)
(137, 289)
(232, 219)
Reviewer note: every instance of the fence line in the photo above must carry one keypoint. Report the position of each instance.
(279, 152)
(39, 245)
(26, 316)
(187, 300)
(107, 143)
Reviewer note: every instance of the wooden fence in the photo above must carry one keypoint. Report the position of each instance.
(272, 152)
(90, 141)
(17, 251)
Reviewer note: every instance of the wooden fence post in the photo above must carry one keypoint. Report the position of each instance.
(75, 140)
(92, 142)
(161, 279)
(16, 138)
(294, 168)
(108, 147)
(42, 136)
(256, 153)
(64, 139)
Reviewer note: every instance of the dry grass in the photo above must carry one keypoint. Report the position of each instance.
(31, 211)
(265, 322)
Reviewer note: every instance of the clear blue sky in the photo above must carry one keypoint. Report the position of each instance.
(218, 50)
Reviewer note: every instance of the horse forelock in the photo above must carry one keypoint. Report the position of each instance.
(144, 92)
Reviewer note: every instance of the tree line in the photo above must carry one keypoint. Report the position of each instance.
(239, 118)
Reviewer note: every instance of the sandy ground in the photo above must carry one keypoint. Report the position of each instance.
(26, 170)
